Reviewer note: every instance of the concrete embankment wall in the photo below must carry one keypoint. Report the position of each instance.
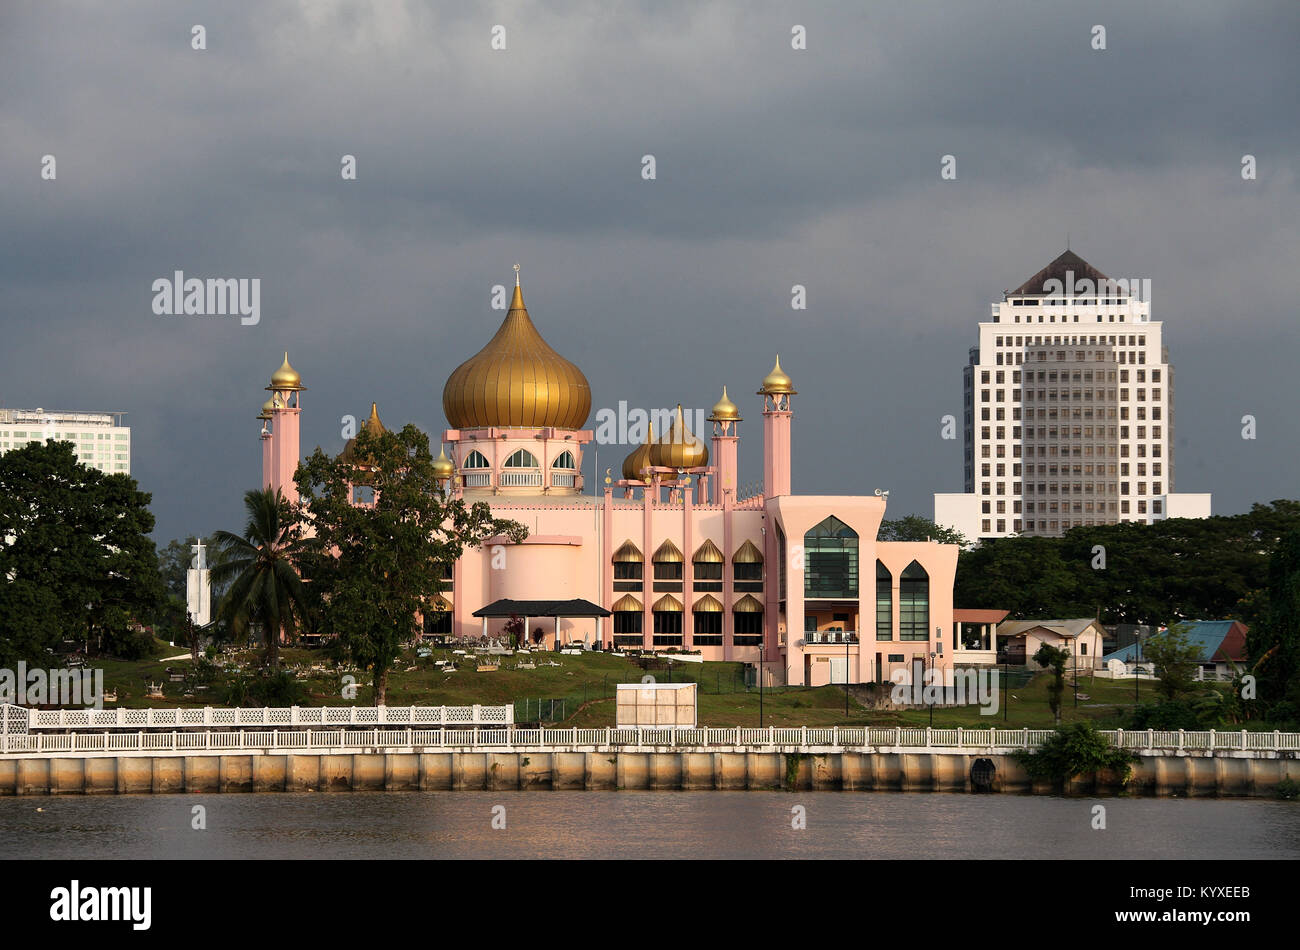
(1178, 775)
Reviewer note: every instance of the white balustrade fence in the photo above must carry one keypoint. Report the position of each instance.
(506, 737)
(209, 716)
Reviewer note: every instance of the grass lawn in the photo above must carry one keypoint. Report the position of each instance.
(583, 689)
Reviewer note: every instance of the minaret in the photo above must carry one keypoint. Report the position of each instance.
(776, 392)
(726, 436)
(286, 384)
(265, 416)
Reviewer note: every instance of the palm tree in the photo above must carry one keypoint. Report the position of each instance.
(265, 587)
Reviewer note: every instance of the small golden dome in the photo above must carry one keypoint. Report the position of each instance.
(639, 458)
(443, 467)
(777, 382)
(286, 379)
(267, 407)
(371, 425)
(679, 448)
(725, 410)
(516, 381)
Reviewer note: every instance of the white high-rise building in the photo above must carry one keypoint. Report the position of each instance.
(99, 438)
(1068, 410)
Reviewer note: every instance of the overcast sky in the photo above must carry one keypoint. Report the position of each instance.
(775, 167)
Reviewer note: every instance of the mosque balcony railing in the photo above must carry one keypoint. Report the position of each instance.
(562, 479)
(821, 637)
(521, 479)
(478, 479)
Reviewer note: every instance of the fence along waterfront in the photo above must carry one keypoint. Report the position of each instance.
(507, 738)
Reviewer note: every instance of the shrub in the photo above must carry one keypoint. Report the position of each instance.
(1073, 750)
(278, 689)
(1166, 714)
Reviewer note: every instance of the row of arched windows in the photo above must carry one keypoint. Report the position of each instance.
(707, 562)
(520, 458)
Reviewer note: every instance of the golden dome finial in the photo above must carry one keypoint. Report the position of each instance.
(679, 448)
(724, 410)
(286, 379)
(777, 382)
(516, 275)
(371, 425)
(443, 467)
(517, 381)
(639, 457)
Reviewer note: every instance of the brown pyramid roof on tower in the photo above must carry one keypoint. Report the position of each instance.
(1069, 261)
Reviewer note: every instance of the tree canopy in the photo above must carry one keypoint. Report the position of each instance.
(76, 560)
(1176, 569)
(377, 566)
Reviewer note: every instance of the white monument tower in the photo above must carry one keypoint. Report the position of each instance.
(197, 593)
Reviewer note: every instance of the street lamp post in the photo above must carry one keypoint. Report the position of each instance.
(932, 694)
(1074, 663)
(846, 675)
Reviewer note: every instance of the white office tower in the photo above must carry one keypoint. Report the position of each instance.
(98, 438)
(1068, 411)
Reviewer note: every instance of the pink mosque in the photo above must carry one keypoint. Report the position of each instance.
(667, 556)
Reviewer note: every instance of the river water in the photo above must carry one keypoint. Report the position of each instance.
(708, 824)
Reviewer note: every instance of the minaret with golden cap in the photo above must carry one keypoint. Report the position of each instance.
(776, 392)
(286, 384)
(726, 437)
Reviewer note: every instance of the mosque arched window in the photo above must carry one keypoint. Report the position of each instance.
(914, 603)
(831, 560)
(747, 616)
(522, 458)
(476, 459)
(884, 603)
(668, 561)
(706, 564)
(747, 568)
(564, 460)
(629, 567)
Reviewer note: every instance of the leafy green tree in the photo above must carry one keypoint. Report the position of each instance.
(1174, 658)
(1273, 643)
(262, 570)
(1023, 575)
(1170, 570)
(76, 560)
(376, 565)
(919, 528)
(1054, 659)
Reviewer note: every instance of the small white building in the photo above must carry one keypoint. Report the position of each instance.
(1019, 640)
(662, 705)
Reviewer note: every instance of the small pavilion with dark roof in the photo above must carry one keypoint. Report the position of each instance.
(543, 608)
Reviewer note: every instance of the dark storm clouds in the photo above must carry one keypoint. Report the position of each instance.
(775, 167)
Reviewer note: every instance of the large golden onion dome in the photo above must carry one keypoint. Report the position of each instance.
(679, 448)
(517, 381)
(777, 382)
(724, 410)
(371, 425)
(639, 458)
(286, 378)
(443, 467)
